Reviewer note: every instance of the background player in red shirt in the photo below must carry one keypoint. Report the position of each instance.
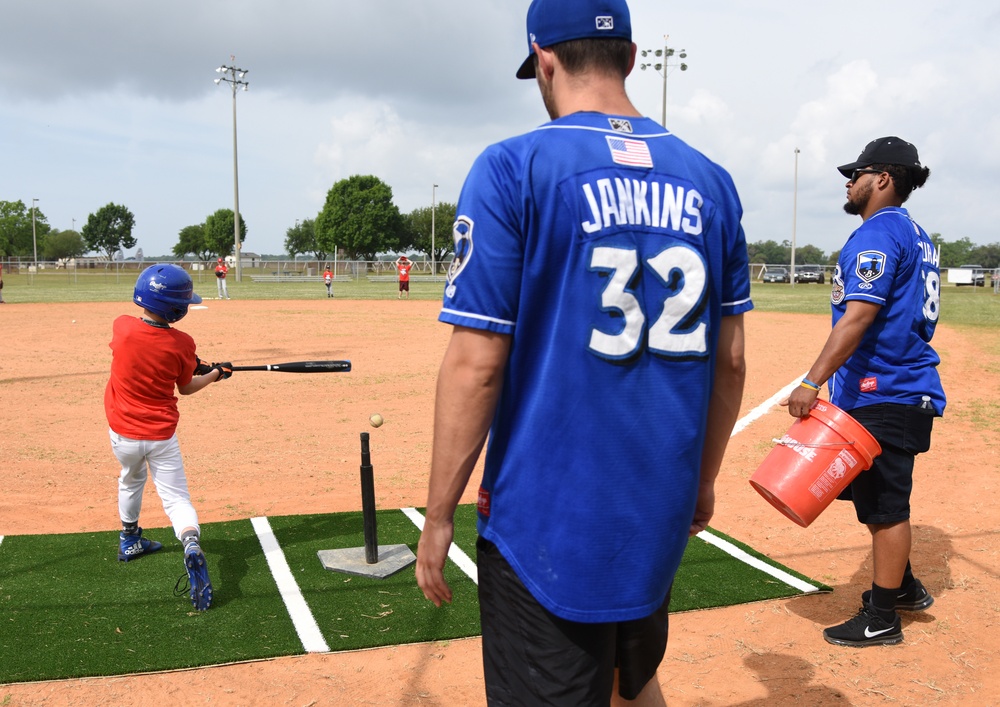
(149, 358)
(403, 267)
(328, 281)
(221, 270)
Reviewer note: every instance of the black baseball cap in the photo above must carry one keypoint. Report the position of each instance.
(884, 150)
(554, 21)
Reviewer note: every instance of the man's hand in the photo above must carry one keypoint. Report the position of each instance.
(432, 553)
(704, 509)
(800, 401)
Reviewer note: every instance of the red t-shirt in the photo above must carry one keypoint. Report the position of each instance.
(147, 363)
(404, 271)
(327, 276)
(220, 271)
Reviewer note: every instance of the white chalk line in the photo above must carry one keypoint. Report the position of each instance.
(756, 563)
(727, 546)
(302, 617)
(765, 406)
(455, 553)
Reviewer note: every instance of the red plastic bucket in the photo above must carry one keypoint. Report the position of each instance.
(814, 461)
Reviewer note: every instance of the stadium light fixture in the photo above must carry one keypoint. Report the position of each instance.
(663, 67)
(234, 77)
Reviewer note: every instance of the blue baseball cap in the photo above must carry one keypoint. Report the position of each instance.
(554, 21)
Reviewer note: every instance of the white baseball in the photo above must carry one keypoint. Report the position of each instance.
(376, 420)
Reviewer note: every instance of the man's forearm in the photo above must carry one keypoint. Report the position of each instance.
(467, 392)
(843, 340)
(727, 396)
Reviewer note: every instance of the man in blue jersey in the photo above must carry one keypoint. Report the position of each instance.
(881, 368)
(597, 297)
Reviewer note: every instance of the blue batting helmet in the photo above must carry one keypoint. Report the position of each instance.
(165, 289)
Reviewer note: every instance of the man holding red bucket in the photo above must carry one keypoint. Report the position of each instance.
(881, 368)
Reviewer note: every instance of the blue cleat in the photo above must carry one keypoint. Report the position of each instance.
(134, 545)
(201, 587)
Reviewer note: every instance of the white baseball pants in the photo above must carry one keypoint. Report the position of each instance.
(163, 458)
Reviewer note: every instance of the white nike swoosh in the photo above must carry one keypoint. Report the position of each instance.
(871, 634)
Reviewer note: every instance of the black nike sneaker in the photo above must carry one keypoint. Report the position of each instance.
(867, 628)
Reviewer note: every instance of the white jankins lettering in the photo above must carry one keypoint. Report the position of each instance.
(636, 202)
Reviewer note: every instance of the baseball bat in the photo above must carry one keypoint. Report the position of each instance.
(301, 367)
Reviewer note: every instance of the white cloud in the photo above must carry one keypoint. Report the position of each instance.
(101, 102)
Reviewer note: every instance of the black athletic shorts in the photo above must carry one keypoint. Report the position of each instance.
(881, 495)
(533, 657)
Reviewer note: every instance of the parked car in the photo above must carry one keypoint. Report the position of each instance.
(773, 274)
(978, 275)
(810, 273)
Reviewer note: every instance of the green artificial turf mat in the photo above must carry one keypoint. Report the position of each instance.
(710, 577)
(361, 612)
(69, 608)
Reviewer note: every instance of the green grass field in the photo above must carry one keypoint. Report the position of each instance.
(111, 286)
(960, 306)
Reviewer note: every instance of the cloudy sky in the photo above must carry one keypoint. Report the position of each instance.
(111, 101)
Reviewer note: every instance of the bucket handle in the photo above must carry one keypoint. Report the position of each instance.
(838, 445)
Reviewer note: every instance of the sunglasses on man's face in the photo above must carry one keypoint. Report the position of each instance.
(858, 172)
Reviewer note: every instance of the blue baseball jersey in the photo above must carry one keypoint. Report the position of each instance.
(890, 261)
(609, 250)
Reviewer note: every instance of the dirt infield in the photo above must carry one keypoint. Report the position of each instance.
(276, 443)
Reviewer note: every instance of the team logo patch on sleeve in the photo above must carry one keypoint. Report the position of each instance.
(634, 153)
(871, 264)
(461, 233)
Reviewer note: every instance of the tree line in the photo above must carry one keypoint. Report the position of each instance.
(953, 254)
(22, 232)
(358, 219)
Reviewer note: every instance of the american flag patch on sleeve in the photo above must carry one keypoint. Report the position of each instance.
(634, 153)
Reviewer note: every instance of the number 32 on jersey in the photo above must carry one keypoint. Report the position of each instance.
(674, 331)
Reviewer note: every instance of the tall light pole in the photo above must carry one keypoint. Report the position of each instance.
(433, 209)
(795, 206)
(234, 77)
(34, 240)
(663, 67)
